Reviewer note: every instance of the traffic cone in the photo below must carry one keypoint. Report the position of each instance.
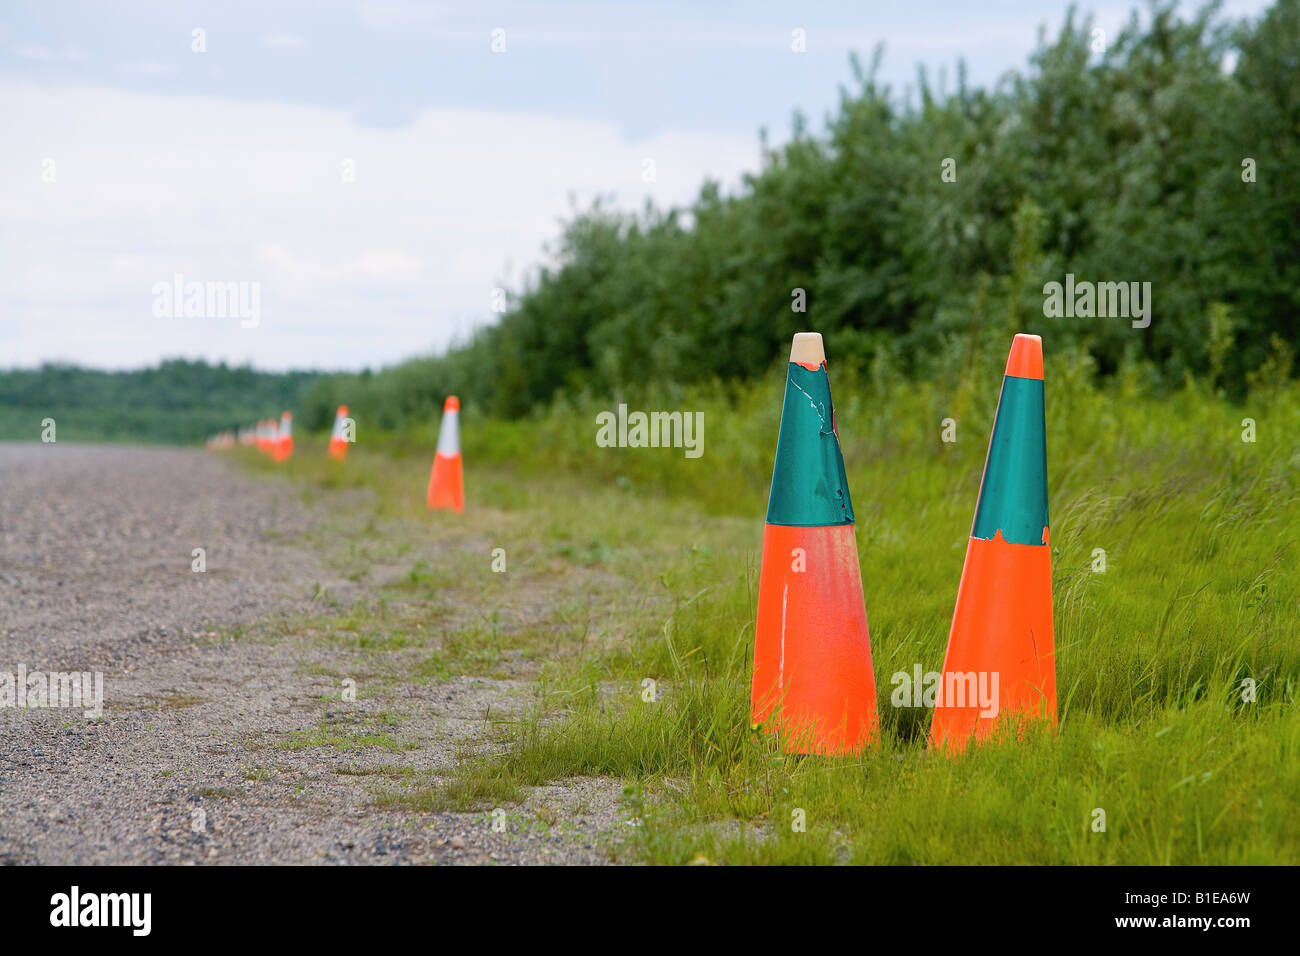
(268, 436)
(813, 681)
(1001, 659)
(284, 438)
(446, 482)
(338, 445)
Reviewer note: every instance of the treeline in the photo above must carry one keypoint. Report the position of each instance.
(1169, 157)
(179, 401)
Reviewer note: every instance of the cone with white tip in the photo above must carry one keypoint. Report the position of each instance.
(447, 481)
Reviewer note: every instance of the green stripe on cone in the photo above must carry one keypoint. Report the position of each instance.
(1013, 492)
(809, 487)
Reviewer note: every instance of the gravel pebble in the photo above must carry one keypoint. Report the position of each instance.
(185, 764)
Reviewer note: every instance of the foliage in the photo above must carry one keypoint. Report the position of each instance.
(1122, 165)
(179, 401)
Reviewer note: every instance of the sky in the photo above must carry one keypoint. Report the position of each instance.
(347, 184)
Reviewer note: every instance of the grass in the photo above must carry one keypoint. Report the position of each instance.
(342, 738)
(634, 564)
(175, 700)
(459, 795)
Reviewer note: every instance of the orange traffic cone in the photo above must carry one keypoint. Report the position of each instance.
(447, 483)
(284, 438)
(813, 680)
(1001, 660)
(339, 444)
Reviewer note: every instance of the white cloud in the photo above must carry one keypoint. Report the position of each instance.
(147, 68)
(32, 51)
(364, 272)
(305, 272)
(284, 41)
(399, 17)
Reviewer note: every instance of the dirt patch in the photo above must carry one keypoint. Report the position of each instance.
(215, 746)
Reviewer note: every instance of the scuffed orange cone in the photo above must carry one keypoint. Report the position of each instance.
(1001, 659)
(283, 446)
(339, 443)
(447, 482)
(813, 679)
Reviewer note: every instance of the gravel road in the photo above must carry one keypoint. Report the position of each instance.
(96, 552)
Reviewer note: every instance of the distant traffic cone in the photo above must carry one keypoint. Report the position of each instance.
(284, 438)
(813, 680)
(447, 482)
(1001, 659)
(338, 444)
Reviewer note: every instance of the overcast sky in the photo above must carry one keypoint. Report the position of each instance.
(375, 167)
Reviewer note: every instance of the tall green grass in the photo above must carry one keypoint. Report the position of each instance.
(1200, 593)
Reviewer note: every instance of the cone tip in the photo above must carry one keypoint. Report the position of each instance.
(452, 404)
(807, 349)
(343, 410)
(1026, 358)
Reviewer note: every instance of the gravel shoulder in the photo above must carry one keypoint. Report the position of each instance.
(211, 747)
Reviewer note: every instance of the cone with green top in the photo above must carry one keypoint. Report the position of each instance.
(813, 682)
(1000, 667)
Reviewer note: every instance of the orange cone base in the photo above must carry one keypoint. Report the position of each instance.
(447, 483)
(338, 449)
(1002, 625)
(813, 682)
(283, 449)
